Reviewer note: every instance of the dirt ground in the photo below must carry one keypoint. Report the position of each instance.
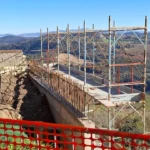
(20, 99)
(73, 60)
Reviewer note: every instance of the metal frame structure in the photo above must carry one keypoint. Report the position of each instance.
(131, 64)
(83, 38)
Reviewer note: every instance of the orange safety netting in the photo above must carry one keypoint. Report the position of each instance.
(30, 135)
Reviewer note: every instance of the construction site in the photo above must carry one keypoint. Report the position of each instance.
(89, 82)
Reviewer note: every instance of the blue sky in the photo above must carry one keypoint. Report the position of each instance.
(28, 16)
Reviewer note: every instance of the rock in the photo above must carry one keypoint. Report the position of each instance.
(6, 111)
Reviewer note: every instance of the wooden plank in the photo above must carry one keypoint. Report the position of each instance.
(106, 103)
(128, 64)
(128, 83)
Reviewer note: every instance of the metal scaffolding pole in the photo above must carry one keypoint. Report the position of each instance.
(118, 78)
(109, 119)
(79, 48)
(57, 48)
(93, 52)
(47, 40)
(145, 54)
(114, 72)
(109, 60)
(68, 49)
(84, 26)
(132, 77)
(145, 60)
(47, 49)
(109, 74)
(114, 53)
(41, 47)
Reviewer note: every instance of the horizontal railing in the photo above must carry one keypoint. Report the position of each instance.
(66, 88)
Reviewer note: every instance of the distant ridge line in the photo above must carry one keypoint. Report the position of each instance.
(11, 51)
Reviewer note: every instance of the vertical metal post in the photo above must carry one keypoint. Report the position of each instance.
(145, 54)
(68, 49)
(132, 75)
(145, 61)
(109, 118)
(93, 53)
(47, 40)
(144, 115)
(109, 60)
(114, 54)
(41, 47)
(47, 58)
(84, 26)
(38, 143)
(79, 49)
(55, 139)
(109, 126)
(57, 48)
(67, 46)
(118, 74)
(73, 147)
(114, 71)
(47, 49)
(109, 74)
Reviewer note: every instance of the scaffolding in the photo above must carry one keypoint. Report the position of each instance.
(114, 94)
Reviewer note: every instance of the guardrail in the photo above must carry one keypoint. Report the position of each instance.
(29, 135)
(66, 88)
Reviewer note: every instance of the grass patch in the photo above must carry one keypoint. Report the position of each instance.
(147, 102)
(105, 40)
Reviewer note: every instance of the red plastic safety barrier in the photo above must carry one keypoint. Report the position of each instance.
(29, 135)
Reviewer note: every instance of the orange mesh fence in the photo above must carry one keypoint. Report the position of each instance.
(29, 135)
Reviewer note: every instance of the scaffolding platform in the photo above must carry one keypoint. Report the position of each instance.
(99, 92)
(124, 71)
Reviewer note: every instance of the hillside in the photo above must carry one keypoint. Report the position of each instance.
(19, 42)
(129, 41)
(10, 39)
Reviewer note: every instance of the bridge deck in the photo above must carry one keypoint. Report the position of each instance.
(101, 93)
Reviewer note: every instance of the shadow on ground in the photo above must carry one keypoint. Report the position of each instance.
(28, 101)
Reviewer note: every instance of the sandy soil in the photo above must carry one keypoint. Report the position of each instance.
(73, 60)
